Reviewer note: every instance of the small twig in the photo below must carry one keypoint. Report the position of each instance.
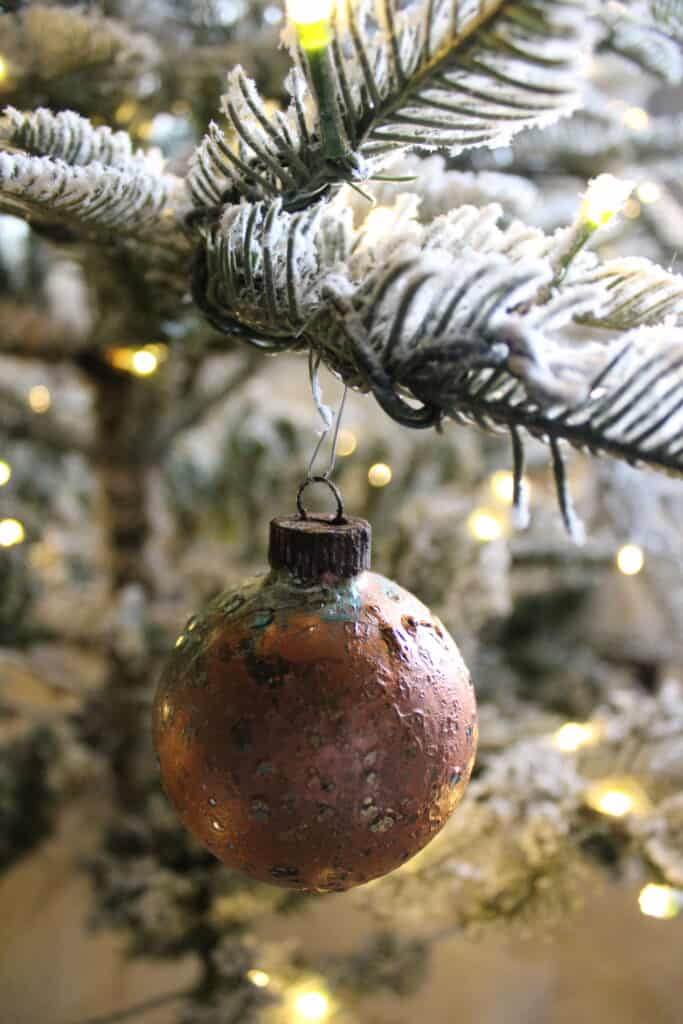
(198, 404)
(139, 1008)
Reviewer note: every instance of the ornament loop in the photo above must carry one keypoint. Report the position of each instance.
(303, 512)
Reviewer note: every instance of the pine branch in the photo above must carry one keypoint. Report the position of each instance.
(426, 78)
(638, 293)
(69, 137)
(93, 198)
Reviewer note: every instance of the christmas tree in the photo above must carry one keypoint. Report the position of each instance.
(455, 227)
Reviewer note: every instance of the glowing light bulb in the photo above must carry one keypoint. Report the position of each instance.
(179, 640)
(617, 797)
(630, 559)
(661, 901)
(259, 978)
(377, 225)
(311, 1006)
(5, 472)
(632, 209)
(39, 398)
(571, 736)
(11, 532)
(636, 119)
(312, 21)
(603, 200)
(125, 112)
(143, 363)
(485, 525)
(379, 475)
(3, 69)
(649, 192)
(347, 442)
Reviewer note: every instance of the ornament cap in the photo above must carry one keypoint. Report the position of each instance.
(312, 546)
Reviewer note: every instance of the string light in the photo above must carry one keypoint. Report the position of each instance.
(259, 978)
(603, 200)
(617, 797)
(572, 736)
(347, 442)
(630, 559)
(661, 901)
(377, 226)
(636, 119)
(502, 486)
(632, 209)
(3, 69)
(312, 21)
(141, 362)
(649, 192)
(11, 532)
(5, 472)
(379, 475)
(313, 1005)
(125, 112)
(39, 399)
(485, 525)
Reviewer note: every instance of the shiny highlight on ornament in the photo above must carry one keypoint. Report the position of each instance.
(603, 200)
(485, 526)
(258, 978)
(660, 901)
(380, 475)
(11, 532)
(311, 1006)
(347, 442)
(630, 559)
(5, 472)
(39, 398)
(617, 798)
(572, 736)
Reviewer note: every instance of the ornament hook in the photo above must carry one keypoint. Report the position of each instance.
(303, 512)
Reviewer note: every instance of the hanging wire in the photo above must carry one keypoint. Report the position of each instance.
(328, 418)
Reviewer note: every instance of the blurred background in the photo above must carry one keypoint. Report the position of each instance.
(142, 456)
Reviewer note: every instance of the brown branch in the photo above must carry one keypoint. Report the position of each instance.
(30, 333)
(192, 411)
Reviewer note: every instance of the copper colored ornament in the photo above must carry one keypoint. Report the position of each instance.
(315, 726)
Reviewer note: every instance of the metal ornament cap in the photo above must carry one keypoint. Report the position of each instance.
(310, 546)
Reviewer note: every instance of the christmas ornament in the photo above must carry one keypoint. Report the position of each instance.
(315, 726)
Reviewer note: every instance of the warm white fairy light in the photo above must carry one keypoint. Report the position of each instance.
(5, 472)
(636, 119)
(660, 901)
(377, 226)
(144, 363)
(125, 112)
(311, 19)
(261, 979)
(379, 475)
(649, 192)
(141, 362)
(39, 398)
(572, 736)
(3, 69)
(617, 797)
(312, 1005)
(347, 442)
(632, 209)
(603, 200)
(630, 559)
(485, 525)
(11, 532)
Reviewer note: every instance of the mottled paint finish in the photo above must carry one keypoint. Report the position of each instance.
(315, 736)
